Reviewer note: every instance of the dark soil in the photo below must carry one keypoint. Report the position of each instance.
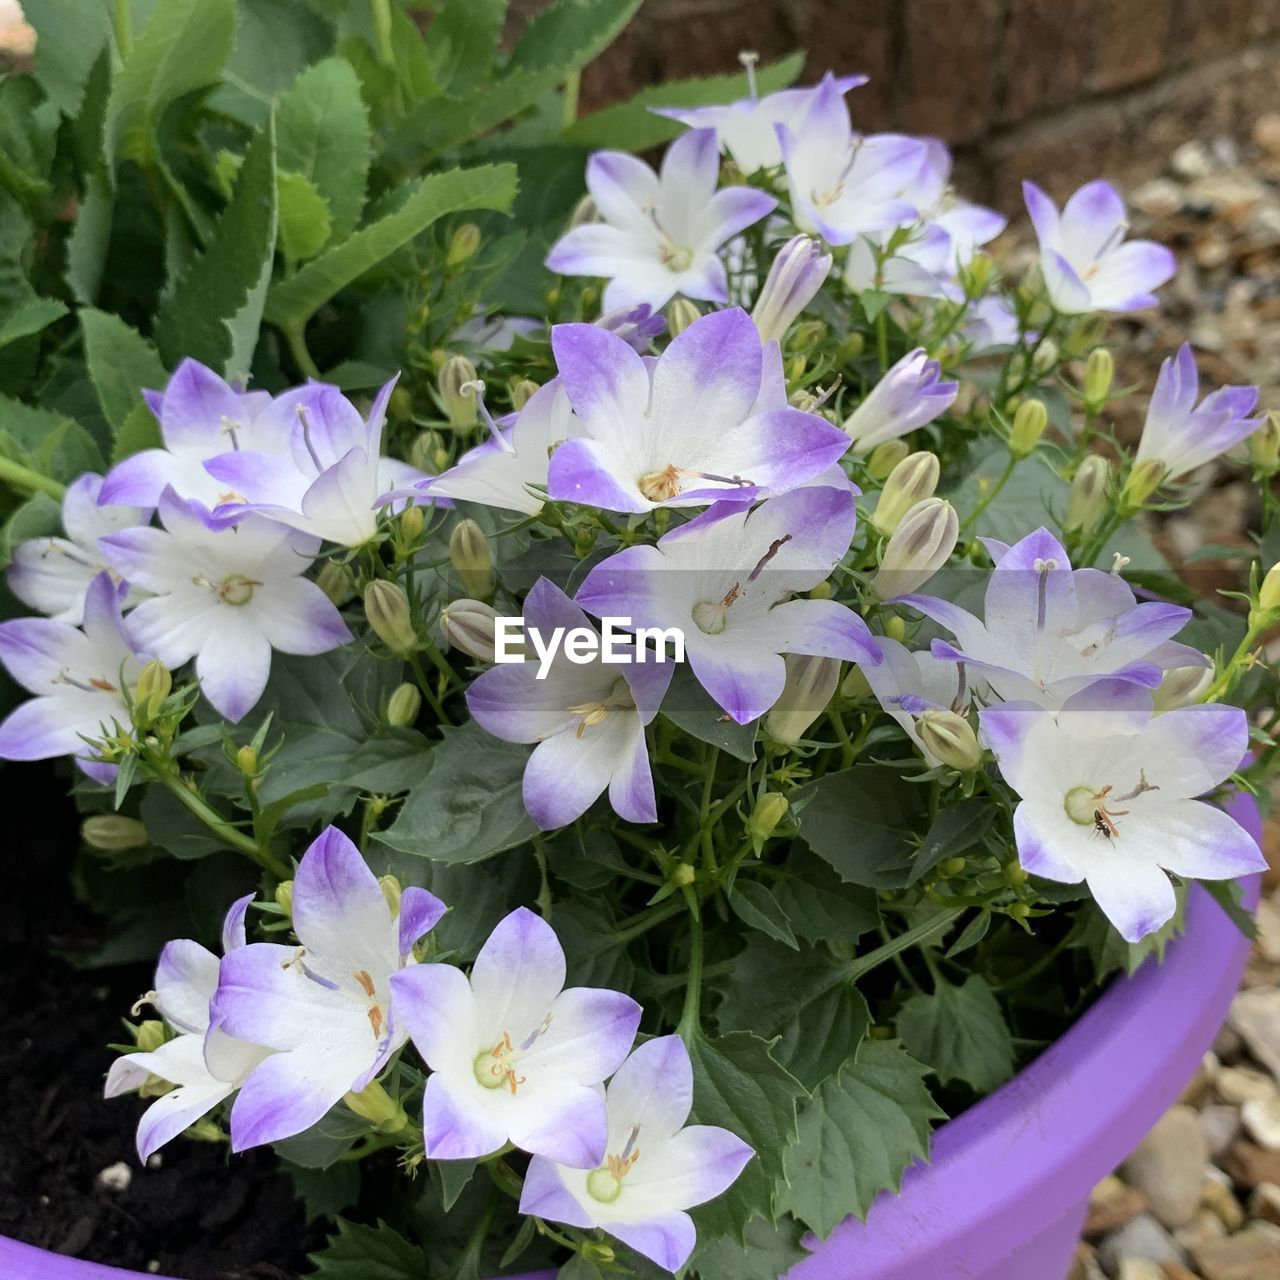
(198, 1213)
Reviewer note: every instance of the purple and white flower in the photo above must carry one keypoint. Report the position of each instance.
(514, 1056)
(78, 676)
(588, 720)
(656, 1166)
(660, 232)
(725, 580)
(226, 596)
(1049, 631)
(799, 269)
(325, 1006)
(911, 394)
(1086, 262)
(697, 424)
(53, 575)
(747, 129)
(202, 1062)
(991, 322)
(637, 326)
(1178, 436)
(1109, 796)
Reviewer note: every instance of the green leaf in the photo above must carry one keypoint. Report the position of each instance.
(30, 316)
(91, 233)
(960, 1032)
(368, 1253)
(214, 311)
(1229, 896)
(40, 516)
(462, 41)
(183, 47)
(738, 1086)
(594, 956)
(858, 1136)
(121, 364)
(69, 36)
(770, 1252)
(451, 1178)
(325, 1192)
(631, 126)
(138, 431)
(689, 707)
(1033, 495)
(954, 832)
(304, 217)
(324, 1144)
(820, 906)
(47, 442)
(468, 804)
(755, 905)
(322, 132)
(862, 822)
(290, 303)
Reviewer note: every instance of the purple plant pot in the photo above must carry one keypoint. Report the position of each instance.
(1006, 1192)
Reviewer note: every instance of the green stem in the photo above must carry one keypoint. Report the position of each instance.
(420, 676)
(1227, 678)
(20, 477)
(295, 339)
(122, 22)
(690, 1019)
(882, 341)
(571, 87)
(903, 942)
(646, 920)
(991, 495)
(222, 828)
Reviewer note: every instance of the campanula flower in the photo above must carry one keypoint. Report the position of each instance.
(514, 1055)
(799, 269)
(326, 1005)
(911, 394)
(226, 596)
(53, 574)
(655, 1168)
(1086, 261)
(587, 720)
(1048, 630)
(697, 424)
(660, 232)
(202, 1062)
(1109, 796)
(78, 676)
(725, 580)
(637, 326)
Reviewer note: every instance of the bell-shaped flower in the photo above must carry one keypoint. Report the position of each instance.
(514, 1055)
(725, 580)
(200, 416)
(1109, 796)
(911, 394)
(1180, 436)
(1086, 261)
(202, 1062)
(586, 717)
(697, 424)
(1048, 630)
(78, 676)
(656, 1166)
(326, 1005)
(53, 574)
(330, 478)
(990, 322)
(799, 269)
(637, 326)
(660, 232)
(844, 184)
(224, 595)
(747, 129)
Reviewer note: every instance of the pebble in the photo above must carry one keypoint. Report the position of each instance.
(1268, 921)
(1221, 1125)
(1238, 1085)
(1112, 1204)
(1169, 1167)
(1256, 1016)
(1144, 1237)
(114, 1178)
(1219, 1199)
(1262, 1122)
(1191, 160)
(1140, 1269)
(1266, 133)
(1251, 1255)
(1264, 1203)
(1159, 198)
(1250, 1165)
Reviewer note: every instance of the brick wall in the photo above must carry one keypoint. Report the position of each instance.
(1059, 90)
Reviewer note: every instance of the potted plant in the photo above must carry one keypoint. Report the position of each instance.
(669, 687)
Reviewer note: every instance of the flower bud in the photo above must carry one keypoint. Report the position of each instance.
(469, 625)
(913, 480)
(247, 761)
(584, 212)
(768, 812)
(1099, 371)
(1014, 873)
(855, 687)
(680, 315)
(463, 244)
(1046, 356)
(920, 546)
(522, 392)
(949, 738)
(336, 582)
(807, 334)
(1269, 592)
(797, 273)
(460, 407)
(978, 273)
(403, 705)
(1029, 423)
(683, 874)
(1143, 481)
(810, 685)
(885, 457)
(400, 405)
(155, 684)
(422, 452)
(284, 896)
(374, 1104)
(851, 347)
(150, 1034)
(1088, 498)
(1182, 687)
(470, 556)
(1264, 445)
(896, 629)
(952, 867)
(412, 523)
(392, 892)
(597, 1253)
(113, 832)
(387, 609)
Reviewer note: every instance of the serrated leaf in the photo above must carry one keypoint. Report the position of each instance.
(738, 1086)
(857, 1136)
(183, 47)
(960, 1032)
(49, 443)
(290, 303)
(40, 516)
(368, 1253)
(29, 317)
(304, 217)
(69, 36)
(689, 707)
(121, 364)
(819, 905)
(462, 41)
(214, 312)
(755, 905)
(325, 1192)
(138, 431)
(325, 1143)
(322, 132)
(955, 831)
(87, 244)
(770, 1252)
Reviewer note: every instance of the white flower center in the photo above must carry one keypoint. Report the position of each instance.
(605, 1183)
(499, 1065)
(1090, 807)
(237, 589)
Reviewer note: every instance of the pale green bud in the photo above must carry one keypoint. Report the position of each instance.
(855, 687)
(412, 523)
(374, 1104)
(422, 452)
(113, 832)
(284, 896)
(1046, 356)
(950, 739)
(522, 392)
(469, 625)
(1099, 373)
(680, 315)
(913, 480)
(403, 705)
(336, 582)
(1182, 687)
(392, 892)
(1269, 592)
(1143, 481)
(851, 347)
(1029, 423)
(471, 558)
(455, 382)
(247, 761)
(1264, 445)
(952, 867)
(584, 212)
(810, 685)
(155, 684)
(463, 244)
(768, 812)
(683, 875)
(1088, 498)
(978, 273)
(150, 1035)
(885, 457)
(808, 333)
(920, 546)
(387, 609)
(896, 629)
